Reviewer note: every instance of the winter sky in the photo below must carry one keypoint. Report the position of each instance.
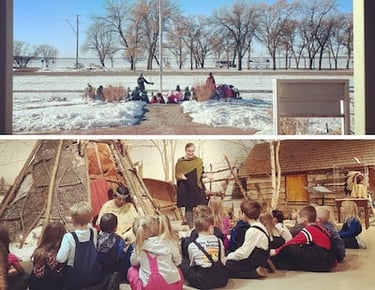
(40, 22)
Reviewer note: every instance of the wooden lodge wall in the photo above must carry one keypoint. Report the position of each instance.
(260, 188)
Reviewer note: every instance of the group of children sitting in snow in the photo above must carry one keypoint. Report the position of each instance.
(259, 243)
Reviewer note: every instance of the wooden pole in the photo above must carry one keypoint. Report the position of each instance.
(52, 186)
(242, 190)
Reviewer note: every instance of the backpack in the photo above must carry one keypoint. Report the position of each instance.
(216, 276)
(86, 271)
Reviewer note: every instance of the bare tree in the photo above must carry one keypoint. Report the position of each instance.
(167, 151)
(202, 44)
(101, 39)
(347, 40)
(176, 44)
(241, 22)
(314, 14)
(193, 31)
(48, 53)
(22, 53)
(148, 11)
(335, 42)
(287, 39)
(117, 16)
(324, 35)
(273, 26)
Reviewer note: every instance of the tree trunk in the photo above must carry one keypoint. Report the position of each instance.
(273, 174)
(239, 59)
(348, 58)
(321, 58)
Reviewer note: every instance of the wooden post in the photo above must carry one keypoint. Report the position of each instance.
(242, 190)
(6, 59)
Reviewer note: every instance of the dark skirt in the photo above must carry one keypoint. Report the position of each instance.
(189, 194)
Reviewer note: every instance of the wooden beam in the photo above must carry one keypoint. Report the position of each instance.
(6, 64)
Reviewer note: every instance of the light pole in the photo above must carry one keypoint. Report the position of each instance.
(76, 31)
(161, 47)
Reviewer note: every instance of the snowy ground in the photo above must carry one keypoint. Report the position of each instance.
(48, 103)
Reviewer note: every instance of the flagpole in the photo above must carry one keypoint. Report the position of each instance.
(160, 47)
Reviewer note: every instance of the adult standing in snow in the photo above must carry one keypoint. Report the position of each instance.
(210, 82)
(190, 187)
(141, 82)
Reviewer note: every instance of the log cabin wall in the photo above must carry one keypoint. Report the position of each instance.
(260, 188)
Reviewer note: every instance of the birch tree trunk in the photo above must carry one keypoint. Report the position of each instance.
(275, 173)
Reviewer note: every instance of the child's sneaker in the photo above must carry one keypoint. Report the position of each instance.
(361, 244)
(271, 266)
(262, 272)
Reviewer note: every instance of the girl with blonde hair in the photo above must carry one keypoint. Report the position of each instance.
(266, 218)
(156, 256)
(352, 226)
(221, 218)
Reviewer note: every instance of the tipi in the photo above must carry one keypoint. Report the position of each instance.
(59, 173)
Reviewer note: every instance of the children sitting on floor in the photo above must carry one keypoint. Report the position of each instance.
(156, 256)
(352, 226)
(249, 260)
(113, 251)
(205, 268)
(309, 250)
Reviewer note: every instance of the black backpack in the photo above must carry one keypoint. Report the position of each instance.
(217, 270)
(86, 271)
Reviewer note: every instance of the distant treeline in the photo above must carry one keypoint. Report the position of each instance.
(310, 34)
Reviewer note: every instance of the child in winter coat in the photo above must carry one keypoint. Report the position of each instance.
(249, 260)
(309, 250)
(352, 226)
(156, 256)
(237, 234)
(47, 273)
(78, 250)
(206, 269)
(113, 251)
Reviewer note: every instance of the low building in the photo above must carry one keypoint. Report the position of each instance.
(308, 168)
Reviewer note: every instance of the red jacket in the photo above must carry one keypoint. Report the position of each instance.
(310, 234)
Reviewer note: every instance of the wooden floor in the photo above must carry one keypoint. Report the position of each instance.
(356, 272)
